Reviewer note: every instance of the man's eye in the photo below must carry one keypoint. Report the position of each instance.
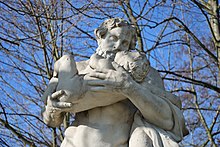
(113, 38)
(125, 43)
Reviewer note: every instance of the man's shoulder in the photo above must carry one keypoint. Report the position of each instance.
(154, 78)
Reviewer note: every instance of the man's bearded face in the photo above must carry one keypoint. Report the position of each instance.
(115, 40)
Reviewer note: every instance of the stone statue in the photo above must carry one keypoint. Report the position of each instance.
(117, 98)
(133, 62)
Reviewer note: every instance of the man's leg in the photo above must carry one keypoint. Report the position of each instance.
(140, 139)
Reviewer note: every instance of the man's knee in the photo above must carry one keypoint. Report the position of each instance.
(140, 138)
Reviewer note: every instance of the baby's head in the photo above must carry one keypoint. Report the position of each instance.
(135, 63)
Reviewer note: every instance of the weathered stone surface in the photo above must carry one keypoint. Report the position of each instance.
(118, 99)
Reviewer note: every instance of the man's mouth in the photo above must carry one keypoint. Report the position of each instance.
(107, 55)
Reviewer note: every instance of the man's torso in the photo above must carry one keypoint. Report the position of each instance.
(107, 126)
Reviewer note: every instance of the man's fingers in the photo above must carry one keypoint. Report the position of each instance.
(57, 94)
(59, 109)
(61, 104)
(104, 89)
(98, 82)
(48, 100)
(117, 67)
(97, 75)
(102, 70)
(56, 111)
(98, 88)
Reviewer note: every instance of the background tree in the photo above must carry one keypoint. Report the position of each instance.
(181, 38)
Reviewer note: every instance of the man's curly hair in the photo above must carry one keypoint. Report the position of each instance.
(111, 23)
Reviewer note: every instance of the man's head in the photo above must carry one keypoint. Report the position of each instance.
(115, 35)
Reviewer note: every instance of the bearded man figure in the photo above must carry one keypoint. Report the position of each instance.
(116, 110)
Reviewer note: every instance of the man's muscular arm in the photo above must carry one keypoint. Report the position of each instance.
(149, 97)
(153, 108)
(94, 97)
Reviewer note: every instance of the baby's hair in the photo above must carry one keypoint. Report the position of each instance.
(133, 61)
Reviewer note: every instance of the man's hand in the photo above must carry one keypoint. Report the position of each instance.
(54, 110)
(55, 106)
(109, 80)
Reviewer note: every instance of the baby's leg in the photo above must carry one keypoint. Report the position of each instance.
(140, 139)
(51, 88)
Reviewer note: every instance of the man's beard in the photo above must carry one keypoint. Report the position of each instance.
(106, 54)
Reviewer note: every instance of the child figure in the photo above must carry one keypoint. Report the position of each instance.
(133, 62)
(66, 78)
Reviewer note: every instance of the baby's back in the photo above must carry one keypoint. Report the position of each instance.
(68, 79)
